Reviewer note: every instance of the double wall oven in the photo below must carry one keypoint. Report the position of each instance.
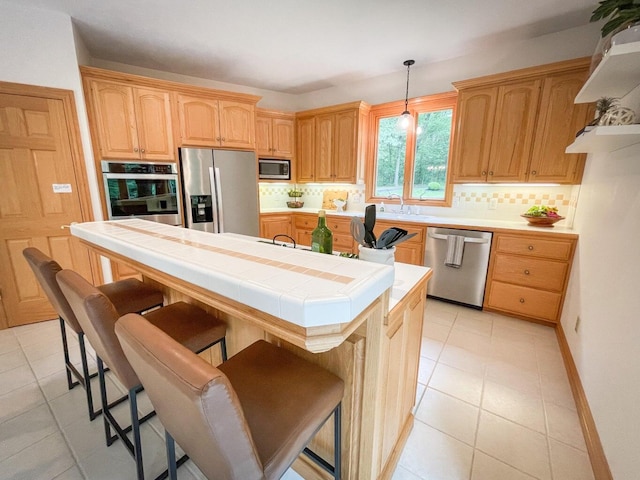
(143, 190)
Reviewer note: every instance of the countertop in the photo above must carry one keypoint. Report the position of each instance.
(438, 221)
(302, 287)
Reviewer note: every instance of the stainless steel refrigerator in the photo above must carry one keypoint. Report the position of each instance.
(220, 190)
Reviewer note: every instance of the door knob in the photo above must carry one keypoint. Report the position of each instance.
(62, 227)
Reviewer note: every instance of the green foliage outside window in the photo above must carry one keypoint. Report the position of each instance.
(429, 162)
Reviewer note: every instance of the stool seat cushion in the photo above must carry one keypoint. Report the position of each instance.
(284, 398)
(131, 295)
(188, 325)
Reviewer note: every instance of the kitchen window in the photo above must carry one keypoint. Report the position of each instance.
(412, 164)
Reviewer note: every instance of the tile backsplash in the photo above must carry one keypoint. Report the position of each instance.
(494, 202)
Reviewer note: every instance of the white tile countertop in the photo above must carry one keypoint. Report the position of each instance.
(438, 221)
(302, 287)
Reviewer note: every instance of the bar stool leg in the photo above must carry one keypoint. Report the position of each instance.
(135, 427)
(223, 348)
(337, 442)
(171, 456)
(87, 378)
(65, 348)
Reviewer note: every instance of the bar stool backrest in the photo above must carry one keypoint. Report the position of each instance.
(45, 270)
(194, 401)
(97, 317)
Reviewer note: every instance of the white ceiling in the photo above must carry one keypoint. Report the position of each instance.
(299, 46)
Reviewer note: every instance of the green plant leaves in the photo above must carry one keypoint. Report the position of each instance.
(621, 12)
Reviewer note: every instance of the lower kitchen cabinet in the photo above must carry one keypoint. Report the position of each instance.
(277, 224)
(411, 251)
(339, 226)
(528, 275)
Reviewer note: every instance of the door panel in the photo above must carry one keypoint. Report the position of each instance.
(35, 158)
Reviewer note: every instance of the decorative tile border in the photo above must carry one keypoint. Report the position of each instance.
(559, 199)
(244, 256)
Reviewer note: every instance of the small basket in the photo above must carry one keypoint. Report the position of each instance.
(294, 204)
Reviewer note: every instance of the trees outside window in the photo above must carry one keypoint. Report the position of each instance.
(412, 163)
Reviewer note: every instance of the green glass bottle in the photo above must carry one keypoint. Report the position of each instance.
(321, 237)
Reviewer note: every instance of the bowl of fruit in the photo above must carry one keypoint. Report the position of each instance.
(542, 216)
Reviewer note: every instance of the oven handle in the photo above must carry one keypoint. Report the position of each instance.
(140, 176)
(466, 239)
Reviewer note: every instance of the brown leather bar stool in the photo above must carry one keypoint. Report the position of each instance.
(249, 418)
(128, 296)
(187, 324)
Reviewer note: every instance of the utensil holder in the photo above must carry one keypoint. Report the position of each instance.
(377, 255)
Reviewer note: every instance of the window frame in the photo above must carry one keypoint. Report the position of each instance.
(424, 104)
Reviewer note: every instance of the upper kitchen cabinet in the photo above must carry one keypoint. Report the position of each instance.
(275, 134)
(212, 122)
(618, 76)
(132, 122)
(514, 127)
(331, 143)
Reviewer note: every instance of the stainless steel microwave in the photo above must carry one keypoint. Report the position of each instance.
(271, 169)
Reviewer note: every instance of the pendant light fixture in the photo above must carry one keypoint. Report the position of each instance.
(406, 118)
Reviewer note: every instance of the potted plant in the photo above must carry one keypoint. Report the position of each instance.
(620, 14)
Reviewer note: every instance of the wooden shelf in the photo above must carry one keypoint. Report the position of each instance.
(617, 74)
(606, 139)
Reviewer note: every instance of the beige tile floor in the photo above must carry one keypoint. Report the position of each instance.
(493, 403)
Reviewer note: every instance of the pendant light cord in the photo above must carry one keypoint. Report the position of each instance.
(406, 97)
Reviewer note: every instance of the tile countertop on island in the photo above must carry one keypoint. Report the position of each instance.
(305, 288)
(439, 221)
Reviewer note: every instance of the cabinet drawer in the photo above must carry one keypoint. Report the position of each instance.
(534, 247)
(341, 243)
(530, 272)
(525, 301)
(339, 225)
(306, 222)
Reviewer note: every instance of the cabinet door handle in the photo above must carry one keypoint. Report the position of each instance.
(522, 300)
(526, 272)
(484, 173)
(142, 150)
(530, 247)
(490, 172)
(218, 138)
(224, 139)
(534, 172)
(135, 149)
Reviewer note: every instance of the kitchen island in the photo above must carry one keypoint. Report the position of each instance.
(360, 320)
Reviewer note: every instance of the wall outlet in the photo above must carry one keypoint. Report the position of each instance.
(577, 325)
(493, 203)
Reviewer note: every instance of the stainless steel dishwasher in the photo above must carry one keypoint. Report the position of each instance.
(462, 278)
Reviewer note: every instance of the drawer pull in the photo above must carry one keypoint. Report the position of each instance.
(526, 272)
(522, 300)
(530, 247)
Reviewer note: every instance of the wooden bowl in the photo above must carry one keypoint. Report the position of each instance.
(542, 221)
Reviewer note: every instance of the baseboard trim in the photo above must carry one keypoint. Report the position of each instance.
(597, 457)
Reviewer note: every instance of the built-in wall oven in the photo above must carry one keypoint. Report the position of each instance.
(143, 190)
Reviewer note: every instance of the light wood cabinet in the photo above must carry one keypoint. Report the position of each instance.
(210, 122)
(304, 224)
(557, 125)
(410, 251)
(331, 143)
(132, 122)
(514, 127)
(275, 224)
(275, 134)
(528, 275)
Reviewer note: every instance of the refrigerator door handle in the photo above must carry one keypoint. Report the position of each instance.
(216, 190)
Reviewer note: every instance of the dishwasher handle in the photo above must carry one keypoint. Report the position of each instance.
(438, 236)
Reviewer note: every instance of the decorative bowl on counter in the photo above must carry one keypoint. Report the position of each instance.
(294, 204)
(541, 221)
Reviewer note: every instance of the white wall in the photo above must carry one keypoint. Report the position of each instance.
(604, 292)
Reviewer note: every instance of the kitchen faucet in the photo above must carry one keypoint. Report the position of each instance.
(395, 195)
